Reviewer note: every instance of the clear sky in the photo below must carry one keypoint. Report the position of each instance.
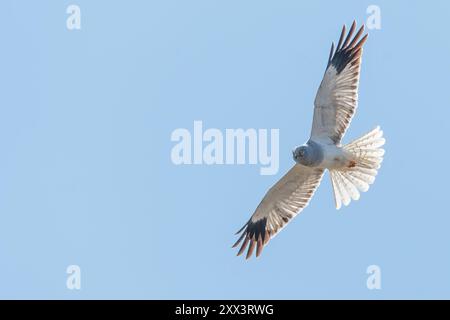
(86, 176)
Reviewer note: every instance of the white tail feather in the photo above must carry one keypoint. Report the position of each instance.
(368, 155)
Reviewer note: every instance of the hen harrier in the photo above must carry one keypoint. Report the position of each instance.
(352, 167)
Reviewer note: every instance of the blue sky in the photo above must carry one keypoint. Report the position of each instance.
(86, 176)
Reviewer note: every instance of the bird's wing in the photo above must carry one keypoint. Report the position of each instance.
(286, 199)
(337, 97)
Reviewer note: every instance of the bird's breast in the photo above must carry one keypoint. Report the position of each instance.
(333, 157)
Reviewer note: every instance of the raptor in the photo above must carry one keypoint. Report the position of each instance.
(352, 167)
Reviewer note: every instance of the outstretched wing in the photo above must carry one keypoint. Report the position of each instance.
(286, 199)
(337, 97)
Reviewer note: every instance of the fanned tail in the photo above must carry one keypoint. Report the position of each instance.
(360, 174)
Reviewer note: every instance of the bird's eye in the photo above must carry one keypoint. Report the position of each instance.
(302, 152)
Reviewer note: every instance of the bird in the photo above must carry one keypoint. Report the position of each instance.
(352, 167)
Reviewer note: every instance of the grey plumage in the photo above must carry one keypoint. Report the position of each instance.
(352, 167)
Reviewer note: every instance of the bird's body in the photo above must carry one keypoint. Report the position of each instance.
(335, 157)
(325, 156)
(352, 166)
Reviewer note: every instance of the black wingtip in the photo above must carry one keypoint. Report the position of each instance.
(254, 236)
(349, 35)
(349, 49)
(244, 245)
(251, 248)
(331, 52)
(238, 241)
(341, 38)
(243, 227)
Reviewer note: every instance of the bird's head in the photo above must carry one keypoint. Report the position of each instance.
(309, 154)
(300, 154)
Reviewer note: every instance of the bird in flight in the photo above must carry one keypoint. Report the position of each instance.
(352, 166)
